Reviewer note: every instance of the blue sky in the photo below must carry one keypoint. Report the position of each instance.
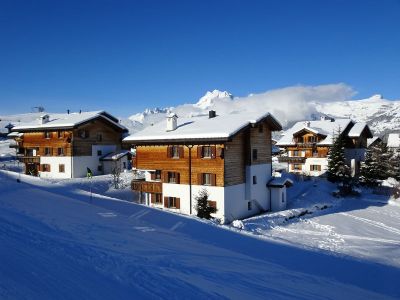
(124, 56)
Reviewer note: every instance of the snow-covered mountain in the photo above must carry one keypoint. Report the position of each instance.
(288, 105)
(382, 115)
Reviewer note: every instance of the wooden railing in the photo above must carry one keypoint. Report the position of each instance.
(292, 160)
(146, 186)
(29, 159)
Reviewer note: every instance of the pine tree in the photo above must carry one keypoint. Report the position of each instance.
(202, 206)
(338, 171)
(377, 166)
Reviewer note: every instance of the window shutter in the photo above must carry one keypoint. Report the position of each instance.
(166, 202)
(213, 179)
(200, 178)
(220, 152)
(178, 177)
(152, 176)
(178, 202)
(40, 167)
(181, 152)
(169, 151)
(199, 151)
(213, 151)
(164, 176)
(319, 167)
(153, 198)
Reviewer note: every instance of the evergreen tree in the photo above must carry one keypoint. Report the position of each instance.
(377, 165)
(202, 206)
(338, 171)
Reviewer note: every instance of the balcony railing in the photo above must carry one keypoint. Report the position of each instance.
(146, 186)
(305, 145)
(292, 159)
(29, 159)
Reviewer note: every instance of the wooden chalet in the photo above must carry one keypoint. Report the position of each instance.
(227, 155)
(65, 145)
(307, 144)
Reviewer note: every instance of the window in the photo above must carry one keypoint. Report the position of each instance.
(60, 134)
(213, 206)
(47, 134)
(206, 152)
(60, 151)
(254, 179)
(249, 206)
(297, 167)
(124, 164)
(99, 152)
(156, 198)
(171, 202)
(99, 137)
(206, 179)
(61, 168)
(47, 151)
(315, 168)
(157, 174)
(83, 134)
(311, 139)
(315, 153)
(100, 168)
(174, 152)
(173, 177)
(260, 128)
(295, 152)
(255, 154)
(283, 197)
(45, 168)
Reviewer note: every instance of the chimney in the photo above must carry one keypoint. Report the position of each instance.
(212, 114)
(43, 119)
(172, 119)
(67, 111)
(307, 123)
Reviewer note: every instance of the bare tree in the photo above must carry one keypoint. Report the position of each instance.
(116, 173)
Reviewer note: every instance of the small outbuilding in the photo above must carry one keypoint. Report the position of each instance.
(278, 186)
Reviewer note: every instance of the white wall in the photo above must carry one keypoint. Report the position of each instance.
(109, 165)
(54, 162)
(182, 191)
(258, 192)
(80, 163)
(278, 198)
(323, 162)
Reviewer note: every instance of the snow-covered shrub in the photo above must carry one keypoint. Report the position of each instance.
(238, 224)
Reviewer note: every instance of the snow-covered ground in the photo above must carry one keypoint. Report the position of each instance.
(365, 227)
(57, 243)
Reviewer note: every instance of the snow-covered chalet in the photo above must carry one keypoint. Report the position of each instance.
(65, 145)
(307, 144)
(228, 155)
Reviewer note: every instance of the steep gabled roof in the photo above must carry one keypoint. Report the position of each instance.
(323, 127)
(71, 120)
(202, 128)
(358, 129)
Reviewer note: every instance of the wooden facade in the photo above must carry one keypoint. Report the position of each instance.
(226, 162)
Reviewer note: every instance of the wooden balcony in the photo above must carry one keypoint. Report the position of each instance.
(29, 159)
(292, 160)
(146, 186)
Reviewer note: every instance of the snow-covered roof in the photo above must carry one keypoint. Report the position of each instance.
(280, 182)
(393, 140)
(372, 140)
(68, 121)
(323, 127)
(15, 134)
(357, 129)
(221, 127)
(115, 155)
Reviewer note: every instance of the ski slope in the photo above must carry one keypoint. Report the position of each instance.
(57, 243)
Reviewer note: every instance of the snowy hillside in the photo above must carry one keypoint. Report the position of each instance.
(56, 243)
